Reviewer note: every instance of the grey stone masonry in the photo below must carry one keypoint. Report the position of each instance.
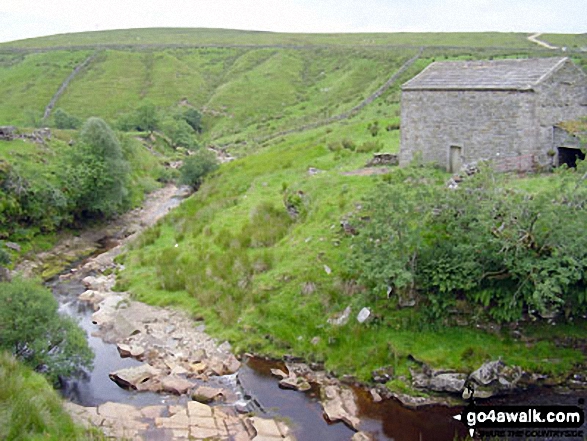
(489, 110)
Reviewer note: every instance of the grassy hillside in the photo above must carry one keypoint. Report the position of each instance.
(224, 37)
(269, 283)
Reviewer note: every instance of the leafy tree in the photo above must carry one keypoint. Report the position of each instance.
(64, 120)
(147, 118)
(32, 329)
(179, 132)
(193, 118)
(96, 176)
(197, 166)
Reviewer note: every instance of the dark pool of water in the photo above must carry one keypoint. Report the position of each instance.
(387, 420)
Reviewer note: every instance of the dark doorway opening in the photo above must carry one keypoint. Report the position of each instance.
(570, 156)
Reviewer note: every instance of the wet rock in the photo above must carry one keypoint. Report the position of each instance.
(295, 383)
(279, 373)
(205, 394)
(176, 385)
(130, 350)
(438, 381)
(201, 410)
(135, 377)
(266, 429)
(231, 365)
(91, 296)
(361, 436)
(494, 378)
(375, 396)
(339, 405)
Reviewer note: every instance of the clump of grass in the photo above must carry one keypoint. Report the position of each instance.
(30, 409)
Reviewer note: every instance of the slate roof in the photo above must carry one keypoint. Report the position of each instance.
(523, 74)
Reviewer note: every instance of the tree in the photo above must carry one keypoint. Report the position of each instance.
(147, 118)
(64, 120)
(179, 133)
(197, 166)
(194, 119)
(96, 175)
(32, 329)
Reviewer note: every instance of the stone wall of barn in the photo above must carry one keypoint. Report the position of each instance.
(493, 125)
(488, 125)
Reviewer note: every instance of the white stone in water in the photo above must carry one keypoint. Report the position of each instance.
(363, 315)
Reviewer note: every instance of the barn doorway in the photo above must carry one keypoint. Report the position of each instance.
(455, 159)
(570, 156)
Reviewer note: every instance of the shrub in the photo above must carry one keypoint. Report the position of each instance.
(196, 167)
(500, 249)
(63, 120)
(32, 329)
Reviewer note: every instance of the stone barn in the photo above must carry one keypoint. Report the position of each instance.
(456, 113)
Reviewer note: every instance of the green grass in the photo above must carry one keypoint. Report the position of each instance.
(28, 82)
(571, 41)
(200, 36)
(252, 294)
(31, 410)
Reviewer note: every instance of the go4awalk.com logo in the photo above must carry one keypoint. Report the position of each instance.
(536, 422)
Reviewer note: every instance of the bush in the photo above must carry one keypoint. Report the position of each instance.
(63, 120)
(196, 167)
(493, 247)
(32, 329)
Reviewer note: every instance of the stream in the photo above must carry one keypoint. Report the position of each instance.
(253, 384)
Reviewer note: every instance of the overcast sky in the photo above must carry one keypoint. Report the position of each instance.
(31, 18)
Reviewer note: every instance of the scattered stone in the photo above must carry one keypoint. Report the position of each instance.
(117, 410)
(315, 341)
(133, 378)
(199, 367)
(266, 428)
(205, 394)
(231, 365)
(200, 410)
(339, 405)
(383, 159)
(176, 385)
(295, 383)
(13, 246)
(363, 315)
(153, 412)
(361, 436)
(279, 373)
(340, 319)
(383, 374)
(375, 396)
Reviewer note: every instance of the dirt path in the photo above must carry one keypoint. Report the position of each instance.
(534, 39)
